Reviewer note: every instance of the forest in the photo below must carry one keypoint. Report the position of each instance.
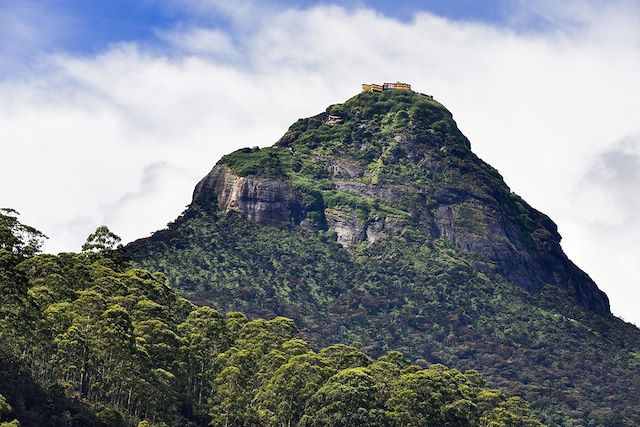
(89, 339)
(420, 297)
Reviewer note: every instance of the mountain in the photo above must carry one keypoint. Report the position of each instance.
(380, 165)
(373, 223)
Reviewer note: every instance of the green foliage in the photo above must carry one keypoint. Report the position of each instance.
(348, 398)
(111, 344)
(269, 162)
(16, 237)
(371, 139)
(5, 410)
(105, 343)
(101, 240)
(414, 294)
(262, 382)
(448, 231)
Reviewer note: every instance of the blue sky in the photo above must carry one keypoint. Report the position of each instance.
(89, 26)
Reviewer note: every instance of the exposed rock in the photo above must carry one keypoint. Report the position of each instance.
(527, 259)
(265, 200)
(331, 120)
(382, 192)
(352, 230)
(381, 227)
(349, 229)
(342, 168)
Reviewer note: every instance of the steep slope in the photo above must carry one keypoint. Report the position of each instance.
(374, 222)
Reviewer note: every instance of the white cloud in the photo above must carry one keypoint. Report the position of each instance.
(542, 107)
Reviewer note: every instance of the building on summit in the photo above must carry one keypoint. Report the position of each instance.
(373, 87)
(396, 86)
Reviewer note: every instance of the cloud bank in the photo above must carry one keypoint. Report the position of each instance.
(122, 137)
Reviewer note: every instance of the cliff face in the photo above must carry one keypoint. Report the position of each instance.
(268, 201)
(385, 163)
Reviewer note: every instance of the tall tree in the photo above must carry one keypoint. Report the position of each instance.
(17, 237)
(101, 240)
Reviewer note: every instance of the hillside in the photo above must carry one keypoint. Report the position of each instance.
(89, 340)
(373, 223)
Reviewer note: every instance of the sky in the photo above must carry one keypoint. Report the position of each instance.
(112, 110)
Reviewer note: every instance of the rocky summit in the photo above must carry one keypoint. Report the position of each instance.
(385, 163)
(374, 223)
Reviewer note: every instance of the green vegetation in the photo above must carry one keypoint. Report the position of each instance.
(416, 295)
(302, 155)
(16, 237)
(87, 340)
(5, 410)
(269, 162)
(442, 287)
(95, 339)
(376, 132)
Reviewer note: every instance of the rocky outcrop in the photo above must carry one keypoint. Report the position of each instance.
(264, 200)
(351, 229)
(479, 224)
(530, 258)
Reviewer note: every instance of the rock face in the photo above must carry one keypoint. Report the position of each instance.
(372, 169)
(267, 201)
(528, 257)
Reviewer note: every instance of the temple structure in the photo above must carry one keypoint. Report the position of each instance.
(373, 87)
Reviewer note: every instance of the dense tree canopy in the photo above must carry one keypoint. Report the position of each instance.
(108, 344)
(100, 240)
(411, 294)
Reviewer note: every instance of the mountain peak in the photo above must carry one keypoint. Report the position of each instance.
(388, 163)
(374, 116)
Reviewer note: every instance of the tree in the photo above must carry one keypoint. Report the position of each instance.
(421, 397)
(349, 398)
(102, 240)
(512, 412)
(343, 356)
(5, 410)
(119, 342)
(282, 400)
(18, 238)
(229, 404)
(206, 336)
